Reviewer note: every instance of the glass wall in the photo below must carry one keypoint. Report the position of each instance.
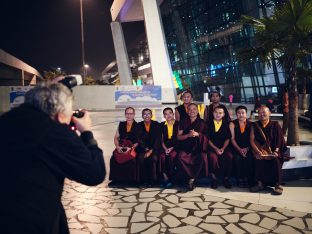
(203, 38)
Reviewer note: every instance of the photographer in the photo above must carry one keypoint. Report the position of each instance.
(37, 152)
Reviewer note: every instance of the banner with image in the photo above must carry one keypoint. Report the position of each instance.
(138, 96)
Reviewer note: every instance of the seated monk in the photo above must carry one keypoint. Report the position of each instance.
(122, 164)
(268, 144)
(169, 130)
(192, 158)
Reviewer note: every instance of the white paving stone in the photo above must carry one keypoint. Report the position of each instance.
(214, 219)
(179, 212)
(253, 228)
(151, 189)
(163, 195)
(232, 228)
(236, 203)
(116, 230)
(238, 210)
(155, 207)
(231, 218)
(148, 194)
(128, 193)
(113, 212)
(139, 227)
(155, 213)
(274, 215)
(146, 199)
(74, 231)
(258, 207)
(251, 218)
(171, 221)
(93, 210)
(203, 205)
(71, 213)
(141, 208)
(220, 205)
(130, 199)
(295, 222)
(124, 205)
(88, 218)
(201, 213)
(160, 201)
(192, 220)
(186, 230)
(94, 228)
(138, 217)
(116, 221)
(125, 212)
(214, 228)
(152, 230)
(284, 229)
(188, 205)
(220, 212)
(170, 191)
(173, 199)
(191, 199)
(153, 219)
(291, 213)
(104, 205)
(213, 198)
(75, 225)
(309, 223)
(169, 204)
(268, 223)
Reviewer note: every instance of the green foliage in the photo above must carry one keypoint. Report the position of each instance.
(50, 75)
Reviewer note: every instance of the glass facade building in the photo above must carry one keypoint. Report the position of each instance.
(203, 37)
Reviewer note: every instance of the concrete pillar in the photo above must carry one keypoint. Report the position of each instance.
(23, 78)
(121, 54)
(160, 62)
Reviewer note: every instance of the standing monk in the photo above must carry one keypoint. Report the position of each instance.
(220, 157)
(215, 98)
(169, 129)
(181, 111)
(267, 135)
(243, 159)
(149, 148)
(192, 159)
(125, 140)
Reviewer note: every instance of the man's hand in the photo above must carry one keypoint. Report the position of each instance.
(83, 124)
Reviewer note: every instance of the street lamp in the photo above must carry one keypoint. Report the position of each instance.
(82, 43)
(85, 69)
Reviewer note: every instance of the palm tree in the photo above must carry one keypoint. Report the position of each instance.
(285, 37)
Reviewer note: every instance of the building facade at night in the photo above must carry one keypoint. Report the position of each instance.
(203, 38)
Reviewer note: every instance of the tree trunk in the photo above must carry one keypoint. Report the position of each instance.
(293, 125)
(304, 95)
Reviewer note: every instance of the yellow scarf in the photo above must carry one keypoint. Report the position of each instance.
(170, 129)
(217, 125)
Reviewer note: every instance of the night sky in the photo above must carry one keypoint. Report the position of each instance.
(46, 34)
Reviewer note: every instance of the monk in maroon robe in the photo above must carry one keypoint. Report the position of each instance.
(241, 149)
(127, 133)
(181, 111)
(220, 157)
(149, 149)
(215, 98)
(169, 130)
(268, 166)
(192, 158)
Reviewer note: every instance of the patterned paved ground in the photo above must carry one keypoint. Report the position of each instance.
(102, 209)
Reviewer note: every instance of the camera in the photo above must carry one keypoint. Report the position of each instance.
(70, 81)
(78, 114)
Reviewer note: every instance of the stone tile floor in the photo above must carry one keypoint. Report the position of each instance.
(102, 209)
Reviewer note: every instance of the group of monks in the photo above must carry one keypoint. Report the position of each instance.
(186, 147)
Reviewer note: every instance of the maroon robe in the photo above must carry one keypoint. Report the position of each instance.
(244, 166)
(219, 164)
(147, 168)
(167, 162)
(182, 112)
(125, 172)
(192, 157)
(270, 171)
(209, 108)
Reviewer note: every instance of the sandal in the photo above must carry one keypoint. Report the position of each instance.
(190, 184)
(278, 190)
